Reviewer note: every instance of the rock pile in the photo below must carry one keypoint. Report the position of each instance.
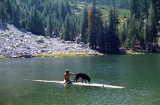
(15, 42)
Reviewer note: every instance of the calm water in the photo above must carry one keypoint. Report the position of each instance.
(140, 74)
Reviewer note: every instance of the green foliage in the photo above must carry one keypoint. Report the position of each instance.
(100, 38)
(84, 27)
(1, 57)
(2, 13)
(117, 3)
(93, 26)
(16, 15)
(106, 24)
(112, 40)
(135, 9)
(35, 23)
(49, 26)
(151, 29)
(69, 28)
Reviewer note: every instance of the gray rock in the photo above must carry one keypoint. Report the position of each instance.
(15, 42)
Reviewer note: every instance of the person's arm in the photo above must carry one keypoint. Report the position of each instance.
(73, 73)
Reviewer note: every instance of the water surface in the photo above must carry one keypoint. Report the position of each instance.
(140, 74)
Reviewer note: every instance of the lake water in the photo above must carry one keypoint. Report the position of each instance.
(140, 74)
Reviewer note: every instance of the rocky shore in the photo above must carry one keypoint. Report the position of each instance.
(18, 43)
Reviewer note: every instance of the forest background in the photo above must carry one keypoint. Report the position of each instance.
(106, 25)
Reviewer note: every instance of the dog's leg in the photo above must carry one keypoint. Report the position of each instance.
(88, 81)
(76, 79)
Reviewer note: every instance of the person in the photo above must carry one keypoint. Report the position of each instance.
(67, 76)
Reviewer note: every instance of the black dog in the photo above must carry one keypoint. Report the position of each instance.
(83, 76)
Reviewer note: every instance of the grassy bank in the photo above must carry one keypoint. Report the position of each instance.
(68, 54)
(1, 57)
(134, 52)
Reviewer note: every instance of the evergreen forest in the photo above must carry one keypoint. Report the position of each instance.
(106, 25)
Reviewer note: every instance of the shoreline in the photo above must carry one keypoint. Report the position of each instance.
(1, 57)
(69, 54)
(57, 54)
(72, 54)
(129, 52)
(15, 43)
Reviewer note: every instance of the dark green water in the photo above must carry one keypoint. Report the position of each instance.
(140, 74)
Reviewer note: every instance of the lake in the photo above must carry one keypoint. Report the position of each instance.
(139, 74)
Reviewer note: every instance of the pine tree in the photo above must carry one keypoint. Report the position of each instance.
(113, 39)
(2, 13)
(152, 34)
(135, 8)
(158, 13)
(65, 9)
(92, 26)
(35, 24)
(139, 13)
(9, 10)
(66, 34)
(39, 30)
(49, 26)
(123, 34)
(155, 9)
(100, 34)
(24, 18)
(62, 11)
(84, 26)
(16, 16)
(145, 8)
(78, 23)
